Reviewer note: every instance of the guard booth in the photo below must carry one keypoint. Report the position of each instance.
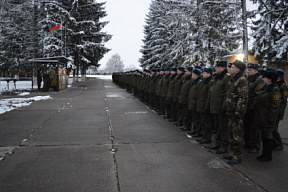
(50, 73)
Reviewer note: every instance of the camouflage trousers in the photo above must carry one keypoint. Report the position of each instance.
(235, 127)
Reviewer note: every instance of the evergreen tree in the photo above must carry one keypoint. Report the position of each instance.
(270, 32)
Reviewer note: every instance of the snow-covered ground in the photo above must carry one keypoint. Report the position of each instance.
(19, 100)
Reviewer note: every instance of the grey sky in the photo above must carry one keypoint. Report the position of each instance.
(126, 20)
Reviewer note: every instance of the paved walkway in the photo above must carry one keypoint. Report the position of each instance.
(96, 137)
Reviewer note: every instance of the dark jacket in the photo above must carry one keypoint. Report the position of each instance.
(267, 104)
(171, 87)
(177, 87)
(255, 84)
(218, 93)
(284, 94)
(165, 85)
(192, 97)
(183, 96)
(237, 96)
(203, 102)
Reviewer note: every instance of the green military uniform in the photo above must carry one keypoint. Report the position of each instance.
(164, 91)
(236, 103)
(176, 93)
(267, 105)
(217, 108)
(185, 116)
(169, 96)
(251, 132)
(203, 107)
(278, 144)
(192, 106)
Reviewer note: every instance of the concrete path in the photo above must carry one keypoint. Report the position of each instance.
(97, 137)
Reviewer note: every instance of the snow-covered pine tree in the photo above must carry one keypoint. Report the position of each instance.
(81, 29)
(18, 42)
(270, 32)
(217, 32)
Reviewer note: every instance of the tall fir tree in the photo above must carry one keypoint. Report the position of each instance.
(270, 32)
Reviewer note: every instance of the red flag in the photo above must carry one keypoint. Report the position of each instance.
(54, 28)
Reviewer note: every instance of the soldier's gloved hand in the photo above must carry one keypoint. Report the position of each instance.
(237, 116)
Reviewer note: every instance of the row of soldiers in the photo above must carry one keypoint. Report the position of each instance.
(240, 104)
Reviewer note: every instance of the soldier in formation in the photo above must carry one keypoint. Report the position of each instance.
(242, 107)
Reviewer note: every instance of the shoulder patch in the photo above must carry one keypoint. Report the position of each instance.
(259, 86)
(276, 97)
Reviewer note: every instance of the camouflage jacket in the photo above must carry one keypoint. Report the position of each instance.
(237, 96)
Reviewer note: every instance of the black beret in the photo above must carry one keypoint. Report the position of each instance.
(197, 71)
(240, 65)
(154, 70)
(208, 70)
(181, 68)
(221, 64)
(198, 67)
(253, 66)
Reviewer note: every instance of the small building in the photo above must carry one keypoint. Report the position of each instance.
(52, 70)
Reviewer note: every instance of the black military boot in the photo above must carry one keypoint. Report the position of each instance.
(268, 145)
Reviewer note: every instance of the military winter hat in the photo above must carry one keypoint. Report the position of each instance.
(167, 69)
(208, 70)
(198, 67)
(189, 69)
(181, 68)
(174, 69)
(221, 64)
(271, 74)
(197, 71)
(240, 65)
(253, 66)
(281, 73)
(154, 70)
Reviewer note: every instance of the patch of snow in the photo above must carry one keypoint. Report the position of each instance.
(7, 105)
(24, 94)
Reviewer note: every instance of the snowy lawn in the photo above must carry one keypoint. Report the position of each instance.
(17, 102)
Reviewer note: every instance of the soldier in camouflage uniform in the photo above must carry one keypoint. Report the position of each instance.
(267, 103)
(236, 103)
(251, 132)
(278, 145)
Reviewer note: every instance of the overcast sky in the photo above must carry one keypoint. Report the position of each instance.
(126, 20)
